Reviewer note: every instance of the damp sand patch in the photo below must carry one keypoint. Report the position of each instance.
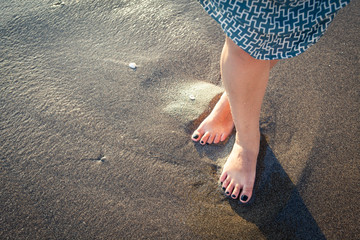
(190, 100)
(191, 103)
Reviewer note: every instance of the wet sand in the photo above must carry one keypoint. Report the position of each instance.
(91, 149)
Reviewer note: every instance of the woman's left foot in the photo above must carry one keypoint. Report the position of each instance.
(217, 126)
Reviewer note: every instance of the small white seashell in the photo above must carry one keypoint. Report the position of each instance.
(192, 97)
(59, 3)
(132, 65)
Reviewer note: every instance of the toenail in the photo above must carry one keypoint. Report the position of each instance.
(233, 196)
(227, 193)
(224, 188)
(244, 198)
(195, 136)
(202, 142)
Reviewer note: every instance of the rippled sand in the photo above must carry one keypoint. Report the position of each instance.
(92, 149)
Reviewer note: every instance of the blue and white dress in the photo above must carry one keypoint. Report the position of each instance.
(273, 29)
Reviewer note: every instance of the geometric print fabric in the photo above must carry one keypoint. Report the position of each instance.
(273, 29)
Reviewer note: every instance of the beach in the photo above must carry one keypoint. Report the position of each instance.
(91, 148)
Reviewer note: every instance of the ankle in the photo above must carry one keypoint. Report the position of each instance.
(249, 140)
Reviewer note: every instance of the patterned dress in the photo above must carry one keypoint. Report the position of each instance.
(273, 29)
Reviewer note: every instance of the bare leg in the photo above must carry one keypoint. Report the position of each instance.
(245, 80)
(219, 124)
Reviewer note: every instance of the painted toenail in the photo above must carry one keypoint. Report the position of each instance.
(244, 198)
(195, 136)
(233, 196)
(224, 188)
(202, 142)
(227, 193)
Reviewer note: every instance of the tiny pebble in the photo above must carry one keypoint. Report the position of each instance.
(132, 65)
(192, 97)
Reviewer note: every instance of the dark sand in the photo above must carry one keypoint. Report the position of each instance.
(91, 149)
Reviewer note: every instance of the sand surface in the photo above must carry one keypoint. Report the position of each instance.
(91, 149)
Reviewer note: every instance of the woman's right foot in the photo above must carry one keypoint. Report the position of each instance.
(217, 126)
(238, 175)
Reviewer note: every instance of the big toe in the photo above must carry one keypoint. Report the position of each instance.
(196, 136)
(246, 193)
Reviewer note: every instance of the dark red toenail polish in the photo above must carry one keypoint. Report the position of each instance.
(233, 196)
(244, 198)
(195, 136)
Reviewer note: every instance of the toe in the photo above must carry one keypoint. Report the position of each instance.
(211, 139)
(236, 191)
(225, 184)
(246, 193)
(217, 138)
(229, 189)
(223, 137)
(196, 136)
(205, 138)
(223, 177)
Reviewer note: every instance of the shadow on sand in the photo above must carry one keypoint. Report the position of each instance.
(277, 207)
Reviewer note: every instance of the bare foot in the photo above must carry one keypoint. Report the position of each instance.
(217, 126)
(238, 174)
